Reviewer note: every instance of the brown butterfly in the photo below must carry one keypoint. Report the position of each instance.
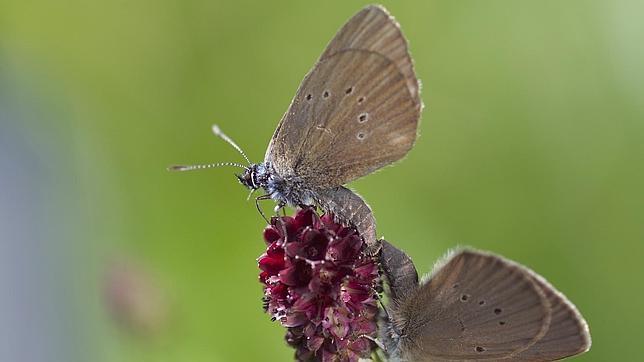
(356, 111)
(476, 306)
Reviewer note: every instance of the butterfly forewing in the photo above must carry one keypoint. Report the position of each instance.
(476, 306)
(356, 111)
(373, 29)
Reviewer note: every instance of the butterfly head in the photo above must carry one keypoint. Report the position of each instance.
(249, 177)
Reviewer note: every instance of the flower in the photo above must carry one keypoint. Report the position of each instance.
(320, 286)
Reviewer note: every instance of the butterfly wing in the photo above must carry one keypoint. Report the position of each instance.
(374, 29)
(356, 111)
(476, 307)
(567, 334)
(479, 306)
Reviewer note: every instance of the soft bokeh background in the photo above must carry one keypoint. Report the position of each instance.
(531, 146)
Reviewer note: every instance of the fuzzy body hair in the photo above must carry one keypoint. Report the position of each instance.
(290, 191)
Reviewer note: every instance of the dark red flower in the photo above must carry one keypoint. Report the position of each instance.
(321, 286)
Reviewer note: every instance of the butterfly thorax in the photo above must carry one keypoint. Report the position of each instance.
(289, 190)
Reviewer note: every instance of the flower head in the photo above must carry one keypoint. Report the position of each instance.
(321, 286)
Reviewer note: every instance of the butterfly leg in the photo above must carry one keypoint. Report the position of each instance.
(277, 208)
(374, 340)
(281, 205)
(382, 305)
(259, 209)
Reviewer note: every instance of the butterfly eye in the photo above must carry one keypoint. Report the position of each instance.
(464, 297)
(349, 90)
(482, 302)
(360, 100)
(497, 311)
(326, 94)
(479, 349)
(362, 118)
(308, 97)
(361, 136)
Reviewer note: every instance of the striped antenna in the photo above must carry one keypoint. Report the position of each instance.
(217, 131)
(203, 167)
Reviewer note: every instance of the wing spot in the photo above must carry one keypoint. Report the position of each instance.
(349, 90)
(497, 311)
(360, 100)
(479, 349)
(326, 94)
(501, 323)
(363, 117)
(361, 136)
(465, 297)
(309, 97)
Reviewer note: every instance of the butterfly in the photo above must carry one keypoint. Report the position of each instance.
(355, 112)
(476, 306)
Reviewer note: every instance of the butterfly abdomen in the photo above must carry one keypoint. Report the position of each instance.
(348, 207)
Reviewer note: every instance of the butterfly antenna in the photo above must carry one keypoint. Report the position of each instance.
(205, 166)
(217, 131)
(252, 191)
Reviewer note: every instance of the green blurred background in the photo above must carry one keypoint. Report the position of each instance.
(531, 146)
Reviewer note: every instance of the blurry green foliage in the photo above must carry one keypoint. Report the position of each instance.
(531, 146)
